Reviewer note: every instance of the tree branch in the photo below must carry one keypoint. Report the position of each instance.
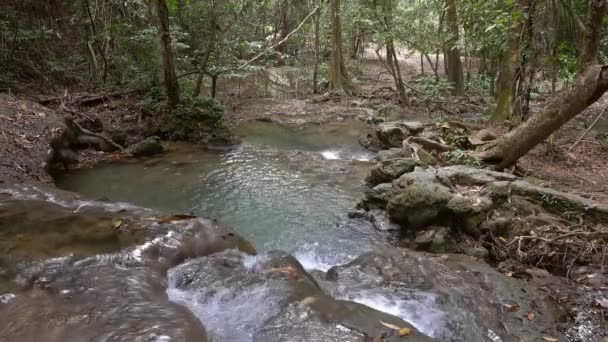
(258, 56)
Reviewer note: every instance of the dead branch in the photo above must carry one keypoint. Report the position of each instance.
(90, 99)
(430, 145)
(97, 135)
(258, 56)
(597, 119)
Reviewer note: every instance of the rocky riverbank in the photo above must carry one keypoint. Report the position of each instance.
(495, 216)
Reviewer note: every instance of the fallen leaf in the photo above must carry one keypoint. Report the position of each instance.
(309, 300)
(391, 326)
(179, 217)
(290, 271)
(602, 302)
(530, 316)
(509, 274)
(405, 331)
(117, 224)
(550, 339)
(511, 307)
(502, 239)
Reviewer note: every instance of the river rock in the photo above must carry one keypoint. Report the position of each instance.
(436, 240)
(449, 297)
(419, 204)
(270, 297)
(388, 170)
(146, 148)
(392, 153)
(117, 296)
(392, 134)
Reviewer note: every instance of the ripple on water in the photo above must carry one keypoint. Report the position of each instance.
(288, 200)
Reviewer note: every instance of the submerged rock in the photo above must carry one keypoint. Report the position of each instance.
(146, 148)
(118, 296)
(270, 297)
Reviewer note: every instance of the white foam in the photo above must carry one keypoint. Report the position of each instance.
(228, 315)
(421, 310)
(331, 155)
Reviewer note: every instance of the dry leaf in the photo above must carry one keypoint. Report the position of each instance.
(117, 224)
(530, 316)
(511, 307)
(602, 302)
(391, 326)
(405, 331)
(179, 217)
(290, 271)
(509, 274)
(550, 339)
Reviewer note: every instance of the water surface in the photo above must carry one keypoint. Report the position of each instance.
(281, 189)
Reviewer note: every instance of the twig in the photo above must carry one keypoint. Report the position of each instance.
(92, 98)
(597, 119)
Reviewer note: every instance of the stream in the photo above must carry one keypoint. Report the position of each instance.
(318, 275)
(276, 188)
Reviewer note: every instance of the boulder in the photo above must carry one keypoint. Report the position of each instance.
(392, 134)
(419, 204)
(146, 148)
(449, 297)
(380, 194)
(435, 239)
(392, 153)
(388, 170)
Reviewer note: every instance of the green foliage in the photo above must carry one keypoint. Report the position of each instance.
(479, 84)
(195, 119)
(431, 87)
(460, 157)
(567, 62)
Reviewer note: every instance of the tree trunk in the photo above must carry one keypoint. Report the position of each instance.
(338, 75)
(454, 64)
(315, 74)
(590, 84)
(167, 53)
(213, 86)
(525, 72)
(506, 85)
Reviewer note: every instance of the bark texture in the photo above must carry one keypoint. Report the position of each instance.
(590, 84)
(454, 64)
(338, 75)
(167, 53)
(506, 85)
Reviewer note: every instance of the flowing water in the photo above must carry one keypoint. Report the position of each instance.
(285, 189)
(281, 189)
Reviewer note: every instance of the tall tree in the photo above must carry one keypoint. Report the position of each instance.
(590, 84)
(167, 53)
(454, 64)
(506, 85)
(338, 75)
